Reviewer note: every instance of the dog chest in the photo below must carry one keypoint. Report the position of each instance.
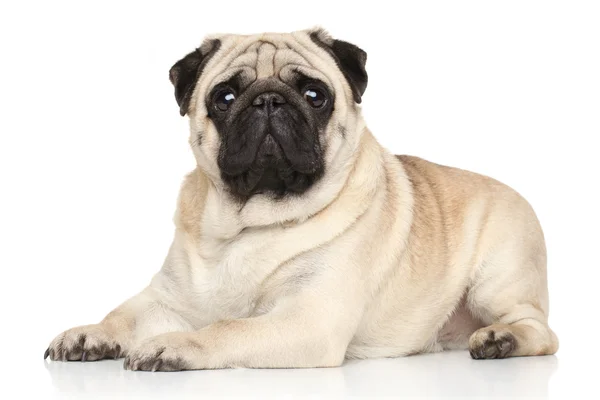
(226, 276)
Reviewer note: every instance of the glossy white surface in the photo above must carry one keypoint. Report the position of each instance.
(439, 375)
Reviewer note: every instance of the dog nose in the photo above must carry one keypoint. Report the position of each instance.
(269, 100)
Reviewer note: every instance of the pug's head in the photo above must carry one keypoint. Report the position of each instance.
(271, 114)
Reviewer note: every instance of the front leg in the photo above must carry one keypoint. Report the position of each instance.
(142, 316)
(300, 335)
(301, 331)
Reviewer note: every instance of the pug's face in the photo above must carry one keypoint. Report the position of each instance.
(269, 113)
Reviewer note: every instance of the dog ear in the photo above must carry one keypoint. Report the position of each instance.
(184, 74)
(350, 59)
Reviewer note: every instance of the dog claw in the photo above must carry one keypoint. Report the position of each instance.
(83, 356)
(47, 353)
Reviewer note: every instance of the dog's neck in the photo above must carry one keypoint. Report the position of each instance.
(206, 210)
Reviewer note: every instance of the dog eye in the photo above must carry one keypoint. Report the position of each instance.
(315, 98)
(224, 100)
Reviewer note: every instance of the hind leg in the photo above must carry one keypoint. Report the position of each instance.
(509, 294)
(527, 337)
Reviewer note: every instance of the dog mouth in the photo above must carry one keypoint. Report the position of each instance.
(272, 172)
(269, 149)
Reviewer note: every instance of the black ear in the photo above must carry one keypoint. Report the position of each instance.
(186, 72)
(350, 59)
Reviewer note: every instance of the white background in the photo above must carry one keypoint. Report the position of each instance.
(93, 150)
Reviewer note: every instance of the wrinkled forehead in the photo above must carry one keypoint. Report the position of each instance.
(283, 56)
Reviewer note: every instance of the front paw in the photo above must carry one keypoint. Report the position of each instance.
(84, 343)
(167, 352)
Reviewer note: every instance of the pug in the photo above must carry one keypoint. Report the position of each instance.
(300, 241)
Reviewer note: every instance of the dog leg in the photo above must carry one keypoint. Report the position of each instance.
(142, 316)
(269, 341)
(510, 296)
(310, 329)
(527, 337)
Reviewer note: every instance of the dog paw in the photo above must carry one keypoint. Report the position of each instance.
(166, 352)
(84, 343)
(489, 342)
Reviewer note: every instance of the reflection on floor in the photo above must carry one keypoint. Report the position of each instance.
(431, 375)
